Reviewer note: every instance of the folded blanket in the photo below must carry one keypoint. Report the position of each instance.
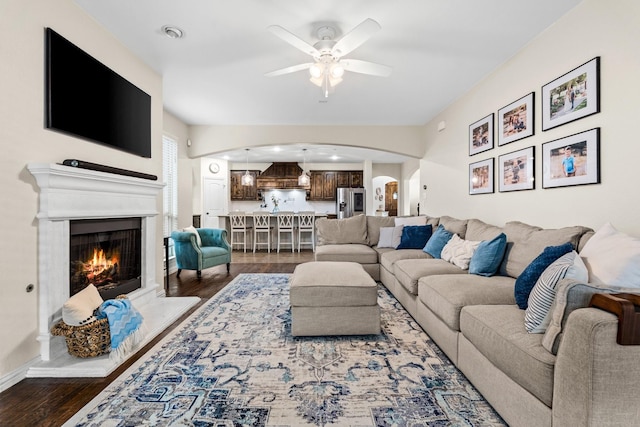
(124, 325)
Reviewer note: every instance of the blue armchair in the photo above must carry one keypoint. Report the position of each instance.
(191, 255)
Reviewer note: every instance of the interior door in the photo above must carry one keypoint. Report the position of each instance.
(214, 203)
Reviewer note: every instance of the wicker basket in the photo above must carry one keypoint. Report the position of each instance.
(90, 340)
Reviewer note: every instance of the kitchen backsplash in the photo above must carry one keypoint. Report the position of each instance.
(288, 200)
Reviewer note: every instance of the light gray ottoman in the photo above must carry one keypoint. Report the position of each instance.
(333, 298)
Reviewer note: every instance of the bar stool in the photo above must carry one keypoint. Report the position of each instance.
(306, 224)
(285, 225)
(261, 224)
(239, 229)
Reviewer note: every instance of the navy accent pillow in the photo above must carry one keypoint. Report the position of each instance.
(435, 244)
(488, 256)
(527, 280)
(414, 236)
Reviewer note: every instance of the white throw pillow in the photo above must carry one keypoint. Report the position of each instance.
(612, 258)
(538, 313)
(411, 220)
(78, 310)
(192, 229)
(390, 237)
(459, 251)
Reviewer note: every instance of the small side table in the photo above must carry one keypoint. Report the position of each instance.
(166, 264)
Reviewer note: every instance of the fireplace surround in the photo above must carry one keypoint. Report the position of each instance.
(66, 195)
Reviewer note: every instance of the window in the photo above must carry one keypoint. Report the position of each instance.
(170, 191)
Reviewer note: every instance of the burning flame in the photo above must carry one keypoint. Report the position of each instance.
(99, 264)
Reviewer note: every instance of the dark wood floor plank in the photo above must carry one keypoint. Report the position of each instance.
(52, 401)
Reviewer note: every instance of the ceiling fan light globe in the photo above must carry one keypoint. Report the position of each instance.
(316, 70)
(336, 71)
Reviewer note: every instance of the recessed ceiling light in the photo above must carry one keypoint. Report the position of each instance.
(172, 32)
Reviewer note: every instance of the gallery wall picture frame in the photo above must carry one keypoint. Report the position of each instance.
(481, 135)
(572, 160)
(516, 170)
(516, 120)
(481, 177)
(572, 96)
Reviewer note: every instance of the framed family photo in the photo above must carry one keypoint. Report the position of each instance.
(481, 135)
(572, 96)
(573, 160)
(516, 170)
(515, 121)
(481, 177)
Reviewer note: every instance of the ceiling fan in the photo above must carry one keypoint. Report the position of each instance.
(328, 67)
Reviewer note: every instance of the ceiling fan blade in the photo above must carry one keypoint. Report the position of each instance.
(355, 37)
(288, 70)
(365, 67)
(294, 40)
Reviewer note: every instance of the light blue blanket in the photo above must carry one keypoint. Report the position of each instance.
(124, 325)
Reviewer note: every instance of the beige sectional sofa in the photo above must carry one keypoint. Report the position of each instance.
(587, 380)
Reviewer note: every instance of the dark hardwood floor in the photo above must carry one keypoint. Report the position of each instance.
(52, 401)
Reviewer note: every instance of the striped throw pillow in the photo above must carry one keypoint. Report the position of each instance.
(537, 315)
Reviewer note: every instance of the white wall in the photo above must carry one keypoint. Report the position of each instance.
(610, 30)
(24, 140)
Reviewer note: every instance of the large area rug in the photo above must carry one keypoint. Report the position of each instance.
(235, 363)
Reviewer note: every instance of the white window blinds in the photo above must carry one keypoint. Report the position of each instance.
(170, 181)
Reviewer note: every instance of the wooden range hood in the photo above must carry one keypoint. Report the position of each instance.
(280, 176)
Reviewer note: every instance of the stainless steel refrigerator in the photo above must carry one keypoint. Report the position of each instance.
(350, 202)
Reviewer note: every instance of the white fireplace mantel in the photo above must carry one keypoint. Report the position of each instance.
(68, 193)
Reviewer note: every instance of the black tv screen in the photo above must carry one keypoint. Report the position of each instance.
(87, 99)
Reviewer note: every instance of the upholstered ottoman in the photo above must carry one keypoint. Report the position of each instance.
(333, 298)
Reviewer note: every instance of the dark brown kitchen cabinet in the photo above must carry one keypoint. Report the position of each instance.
(243, 192)
(324, 183)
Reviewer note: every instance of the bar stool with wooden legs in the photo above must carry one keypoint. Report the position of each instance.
(261, 225)
(306, 224)
(285, 226)
(239, 229)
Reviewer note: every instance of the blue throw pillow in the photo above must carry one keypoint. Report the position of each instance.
(414, 236)
(439, 239)
(488, 256)
(527, 280)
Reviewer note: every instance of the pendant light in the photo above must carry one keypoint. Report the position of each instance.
(304, 180)
(247, 178)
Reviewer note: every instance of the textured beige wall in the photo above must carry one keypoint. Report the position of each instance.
(24, 140)
(610, 30)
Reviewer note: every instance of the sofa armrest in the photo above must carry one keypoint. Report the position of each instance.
(596, 380)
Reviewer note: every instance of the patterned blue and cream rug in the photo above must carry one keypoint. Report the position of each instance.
(235, 363)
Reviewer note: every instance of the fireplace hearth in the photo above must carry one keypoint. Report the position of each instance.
(105, 253)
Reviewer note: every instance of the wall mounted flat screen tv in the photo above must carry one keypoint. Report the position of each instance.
(87, 99)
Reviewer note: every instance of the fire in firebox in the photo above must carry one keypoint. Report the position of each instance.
(100, 269)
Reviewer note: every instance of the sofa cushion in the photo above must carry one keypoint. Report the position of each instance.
(341, 231)
(479, 230)
(438, 241)
(390, 237)
(362, 254)
(456, 226)
(498, 333)
(410, 220)
(459, 251)
(527, 280)
(374, 223)
(613, 258)
(446, 295)
(538, 313)
(414, 236)
(488, 256)
(409, 271)
(389, 258)
(526, 242)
